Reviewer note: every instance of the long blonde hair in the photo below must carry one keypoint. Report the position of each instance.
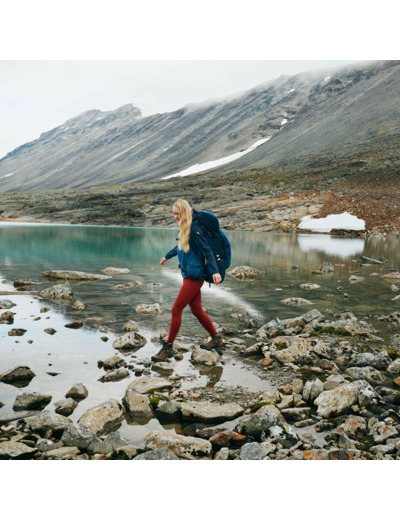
(185, 221)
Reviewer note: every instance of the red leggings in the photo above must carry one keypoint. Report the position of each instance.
(190, 294)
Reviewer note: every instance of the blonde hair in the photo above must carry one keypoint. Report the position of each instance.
(185, 221)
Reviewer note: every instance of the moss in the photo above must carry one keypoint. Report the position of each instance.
(155, 400)
(259, 405)
(339, 331)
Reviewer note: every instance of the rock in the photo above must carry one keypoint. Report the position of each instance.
(392, 276)
(341, 399)
(159, 454)
(296, 301)
(111, 442)
(127, 452)
(394, 288)
(262, 420)
(206, 411)
(6, 304)
(78, 391)
(58, 292)
(205, 357)
(184, 447)
(312, 389)
(65, 406)
(352, 426)
(370, 374)
(326, 267)
(74, 275)
(310, 286)
(296, 414)
(131, 326)
(371, 260)
(114, 362)
(137, 405)
(74, 325)
(131, 340)
(115, 375)
(146, 385)
(155, 285)
(244, 272)
(50, 331)
(80, 436)
(168, 409)
(33, 401)
(16, 332)
(15, 450)
(103, 418)
(115, 270)
(63, 453)
(333, 381)
(251, 451)
(381, 431)
(395, 299)
(223, 454)
(227, 438)
(45, 445)
(393, 368)
(47, 420)
(7, 317)
(298, 350)
(354, 279)
(79, 306)
(153, 309)
(16, 375)
(15, 416)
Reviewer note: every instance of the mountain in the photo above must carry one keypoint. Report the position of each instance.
(311, 122)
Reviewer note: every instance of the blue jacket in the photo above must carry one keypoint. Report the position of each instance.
(199, 245)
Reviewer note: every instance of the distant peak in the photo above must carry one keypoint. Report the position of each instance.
(128, 109)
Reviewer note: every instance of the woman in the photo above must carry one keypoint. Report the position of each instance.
(195, 256)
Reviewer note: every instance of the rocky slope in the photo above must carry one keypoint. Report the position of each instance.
(342, 122)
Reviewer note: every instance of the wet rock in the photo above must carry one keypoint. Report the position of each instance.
(310, 286)
(58, 292)
(15, 450)
(103, 418)
(48, 421)
(155, 285)
(74, 275)
(158, 454)
(114, 362)
(296, 301)
(262, 420)
(50, 331)
(137, 405)
(111, 442)
(33, 401)
(394, 288)
(205, 357)
(74, 325)
(65, 406)
(131, 340)
(244, 272)
(153, 309)
(145, 385)
(16, 332)
(17, 375)
(6, 304)
(79, 306)
(326, 268)
(7, 317)
(206, 411)
(115, 375)
(78, 391)
(182, 446)
(115, 270)
(131, 326)
(80, 436)
(341, 399)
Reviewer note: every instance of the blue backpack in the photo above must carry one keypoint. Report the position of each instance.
(217, 240)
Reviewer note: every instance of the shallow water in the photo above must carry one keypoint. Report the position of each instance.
(286, 262)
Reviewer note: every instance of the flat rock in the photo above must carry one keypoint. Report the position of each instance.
(33, 401)
(296, 301)
(20, 373)
(15, 450)
(66, 452)
(74, 275)
(297, 350)
(16, 332)
(46, 421)
(115, 375)
(74, 325)
(183, 446)
(103, 418)
(370, 374)
(145, 385)
(131, 340)
(6, 418)
(115, 270)
(227, 439)
(206, 411)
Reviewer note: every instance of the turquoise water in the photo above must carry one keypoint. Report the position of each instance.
(286, 261)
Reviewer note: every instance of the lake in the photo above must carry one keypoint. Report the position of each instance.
(71, 356)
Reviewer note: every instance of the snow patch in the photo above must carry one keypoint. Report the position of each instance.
(196, 168)
(290, 91)
(283, 122)
(8, 175)
(343, 221)
(327, 78)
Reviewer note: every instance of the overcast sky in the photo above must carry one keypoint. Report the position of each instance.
(36, 96)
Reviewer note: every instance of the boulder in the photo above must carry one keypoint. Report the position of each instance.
(370, 374)
(244, 272)
(205, 357)
(297, 350)
(129, 341)
(57, 292)
(7, 317)
(312, 389)
(16, 375)
(262, 420)
(206, 411)
(65, 406)
(185, 447)
(33, 401)
(393, 368)
(114, 362)
(341, 399)
(79, 436)
(78, 391)
(153, 309)
(137, 405)
(103, 418)
(251, 451)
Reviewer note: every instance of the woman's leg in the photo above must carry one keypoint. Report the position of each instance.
(197, 310)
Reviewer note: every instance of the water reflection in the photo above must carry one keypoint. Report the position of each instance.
(343, 247)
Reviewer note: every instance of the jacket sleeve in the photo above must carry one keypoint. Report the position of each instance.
(204, 249)
(172, 253)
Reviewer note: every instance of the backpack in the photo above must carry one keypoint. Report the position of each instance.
(217, 240)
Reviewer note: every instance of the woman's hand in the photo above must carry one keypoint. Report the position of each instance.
(163, 261)
(217, 278)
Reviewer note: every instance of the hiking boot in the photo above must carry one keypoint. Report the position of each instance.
(166, 352)
(215, 343)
